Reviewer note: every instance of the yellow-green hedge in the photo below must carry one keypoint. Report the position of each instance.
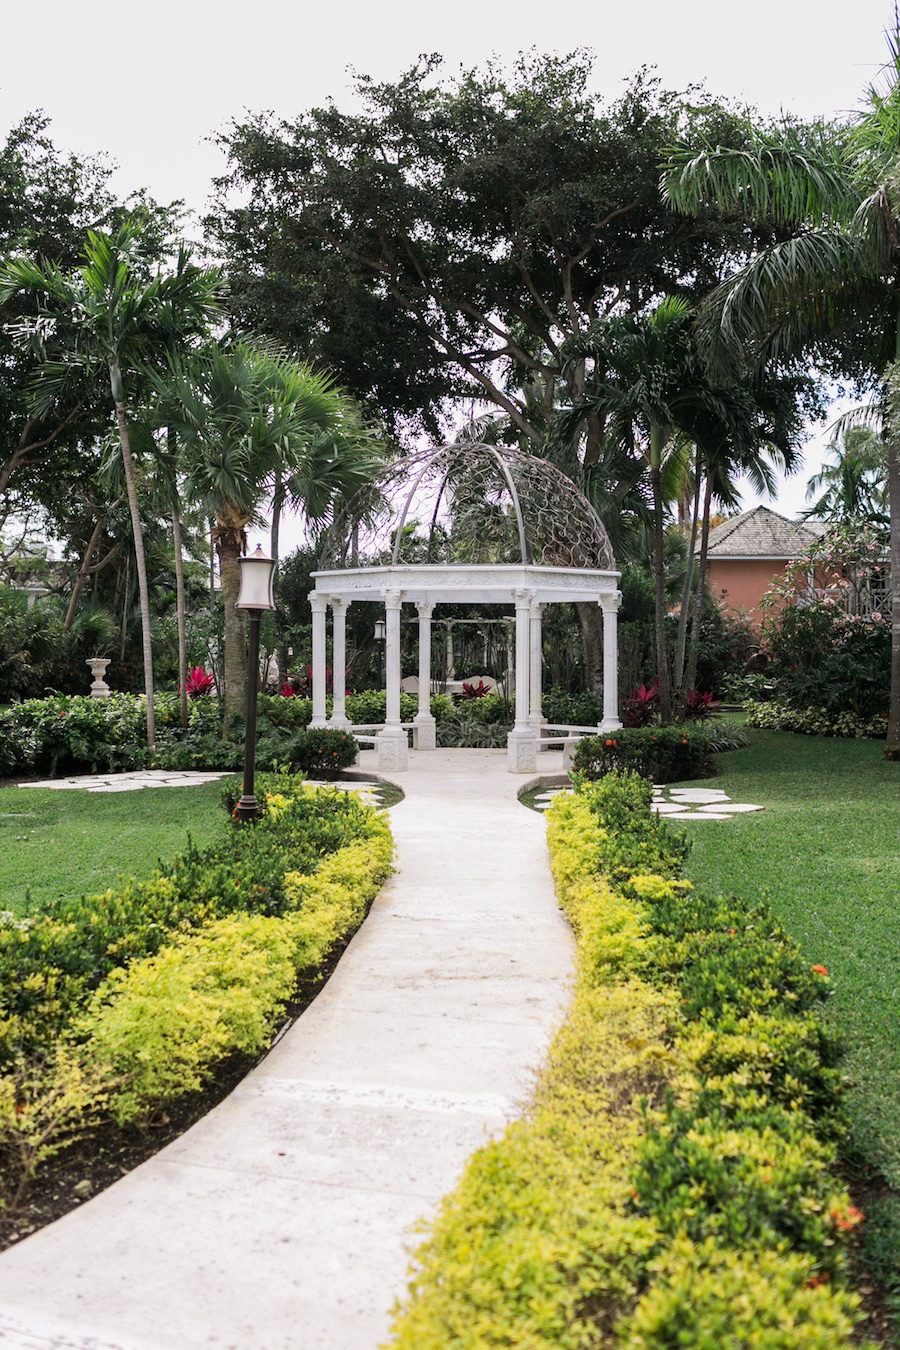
(157, 1028)
(544, 1243)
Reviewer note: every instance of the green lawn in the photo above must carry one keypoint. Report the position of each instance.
(70, 842)
(827, 850)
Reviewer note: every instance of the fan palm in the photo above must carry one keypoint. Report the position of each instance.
(831, 290)
(248, 419)
(112, 317)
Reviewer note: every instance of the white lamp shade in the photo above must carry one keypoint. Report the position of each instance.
(379, 630)
(256, 581)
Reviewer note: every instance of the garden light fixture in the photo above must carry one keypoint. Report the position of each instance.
(255, 596)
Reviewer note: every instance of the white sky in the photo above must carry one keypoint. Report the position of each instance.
(150, 84)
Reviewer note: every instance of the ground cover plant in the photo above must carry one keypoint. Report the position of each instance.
(672, 1182)
(825, 853)
(115, 1007)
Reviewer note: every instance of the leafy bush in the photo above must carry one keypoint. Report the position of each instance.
(50, 965)
(160, 1025)
(473, 733)
(132, 997)
(576, 710)
(62, 735)
(822, 657)
(662, 754)
(815, 721)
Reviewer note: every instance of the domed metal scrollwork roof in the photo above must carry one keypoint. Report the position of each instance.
(469, 503)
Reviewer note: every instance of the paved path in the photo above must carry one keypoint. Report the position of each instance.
(282, 1220)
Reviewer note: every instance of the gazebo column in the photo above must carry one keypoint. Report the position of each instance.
(339, 717)
(521, 744)
(424, 731)
(610, 606)
(319, 604)
(536, 651)
(393, 746)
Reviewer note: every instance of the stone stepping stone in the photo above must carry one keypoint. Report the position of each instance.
(699, 796)
(732, 808)
(699, 815)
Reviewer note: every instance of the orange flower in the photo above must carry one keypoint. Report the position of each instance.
(819, 970)
(845, 1219)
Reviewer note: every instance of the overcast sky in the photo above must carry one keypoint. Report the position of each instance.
(149, 85)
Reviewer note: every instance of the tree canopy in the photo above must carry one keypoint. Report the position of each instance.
(442, 243)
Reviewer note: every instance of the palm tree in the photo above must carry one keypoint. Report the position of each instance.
(854, 485)
(248, 420)
(122, 321)
(831, 289)
(639, 387)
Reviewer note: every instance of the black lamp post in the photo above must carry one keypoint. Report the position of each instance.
(379, 646)
(255, 596)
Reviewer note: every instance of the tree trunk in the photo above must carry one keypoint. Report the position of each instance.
(891, 432)
(686, 588)
(140, 565)
(82, 574)
(694, 652)
(230, 543)
(662, 658)
(180, 609)
(591, 617)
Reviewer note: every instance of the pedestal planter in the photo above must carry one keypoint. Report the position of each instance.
(99, 687)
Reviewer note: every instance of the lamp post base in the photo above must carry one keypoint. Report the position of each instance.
(248, 808)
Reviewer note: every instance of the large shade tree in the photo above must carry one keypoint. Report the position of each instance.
(830, 291)
(443, 241)
(118, 315)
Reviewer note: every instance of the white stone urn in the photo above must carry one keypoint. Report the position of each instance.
(98, 664)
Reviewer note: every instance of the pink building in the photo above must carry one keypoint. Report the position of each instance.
(749, 552)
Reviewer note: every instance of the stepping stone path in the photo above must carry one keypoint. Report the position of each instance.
(144, 778)
(676, 803)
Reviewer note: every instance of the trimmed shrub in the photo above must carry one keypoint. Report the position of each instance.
(664, 754)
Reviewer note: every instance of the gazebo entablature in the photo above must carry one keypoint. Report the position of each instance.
(528, 587)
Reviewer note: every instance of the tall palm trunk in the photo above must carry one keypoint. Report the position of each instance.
(139, 559)
(231, 542)
(657, 440)
(180, 610)
(690, 681)
(892, 436)
(683, 616)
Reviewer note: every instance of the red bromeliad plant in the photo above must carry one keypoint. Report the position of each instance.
(641, 706)
(199, 682)
(479, 690)
(701, 706)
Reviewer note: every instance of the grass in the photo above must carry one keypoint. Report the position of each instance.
(57, 842)
(825, 849)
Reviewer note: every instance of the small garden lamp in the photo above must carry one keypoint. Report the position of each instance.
(379, 646)
(256, 595)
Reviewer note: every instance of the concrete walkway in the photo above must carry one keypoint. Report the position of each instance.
(282, 1220)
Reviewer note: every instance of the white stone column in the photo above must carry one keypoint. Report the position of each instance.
(393, 746)
(536, 652)
(319, 605)
(339, 717)
(610, 606)
(425, 729)
(522, 740)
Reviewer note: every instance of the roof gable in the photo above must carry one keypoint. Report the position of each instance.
(762, 533)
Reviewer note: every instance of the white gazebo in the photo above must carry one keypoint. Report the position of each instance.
(464, 524)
